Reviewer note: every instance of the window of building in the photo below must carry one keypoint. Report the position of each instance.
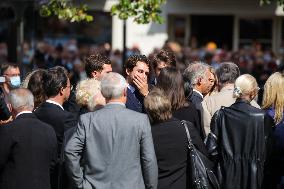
(177, 28)
(255, 31)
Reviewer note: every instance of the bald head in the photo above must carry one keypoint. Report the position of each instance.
(21, 100)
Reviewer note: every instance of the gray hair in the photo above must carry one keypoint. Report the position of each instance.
(195, 71)
(228, 72)
(21, 99)
(113, 85)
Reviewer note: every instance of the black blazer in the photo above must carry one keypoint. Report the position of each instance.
(135, 101)
(64, 124)
(170, 142)
(189, 113)
(27, 152)
(59, 119)
(71, 105)
(196, 100)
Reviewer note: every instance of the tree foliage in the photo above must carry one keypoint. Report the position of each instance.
(143, 11)
(64, 9)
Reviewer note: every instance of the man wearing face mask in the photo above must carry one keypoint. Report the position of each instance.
(10, 74)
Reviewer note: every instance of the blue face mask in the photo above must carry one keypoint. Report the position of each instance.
(15, 81)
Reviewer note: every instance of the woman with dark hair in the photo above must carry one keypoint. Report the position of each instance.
(170, 141)
(171, 82)
(35, 85)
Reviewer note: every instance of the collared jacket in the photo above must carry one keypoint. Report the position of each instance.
(212, 103)
(240, 141)
(116, 147)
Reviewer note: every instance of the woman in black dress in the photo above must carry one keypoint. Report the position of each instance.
(170, 141)
(171, 82)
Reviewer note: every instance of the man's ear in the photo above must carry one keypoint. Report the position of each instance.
(61, 92)
(127, 71)
(199, 81)
(95, 74)
(125, 92)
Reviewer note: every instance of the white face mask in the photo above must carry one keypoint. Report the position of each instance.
(15, 81)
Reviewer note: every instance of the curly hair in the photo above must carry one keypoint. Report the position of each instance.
(86, 91)
(133, 59)
(164, 56)
(95, 63)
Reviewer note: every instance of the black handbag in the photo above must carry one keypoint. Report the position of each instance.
(200, 167)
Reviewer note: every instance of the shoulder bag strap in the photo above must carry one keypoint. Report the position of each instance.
(183, 122)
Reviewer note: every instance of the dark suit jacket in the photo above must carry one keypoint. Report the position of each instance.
(135, 101)
(71, 105)
(59, 119)
(196, 99)
(27, 152)
(64, 123)
(170, 142)
(190, 114)
(4, 111)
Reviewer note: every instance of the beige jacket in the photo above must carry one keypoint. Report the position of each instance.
(212, 103)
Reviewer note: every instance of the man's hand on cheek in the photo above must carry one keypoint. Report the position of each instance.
(141, 84)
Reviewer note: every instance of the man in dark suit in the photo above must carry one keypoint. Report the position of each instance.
(28, 146)
(96, 66)
(57, 89)
(137, 70)
(115, 144)
(201, 80)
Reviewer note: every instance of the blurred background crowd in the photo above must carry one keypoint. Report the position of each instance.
(253, 59)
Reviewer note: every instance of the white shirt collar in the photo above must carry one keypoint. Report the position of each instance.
(53, 102)
(131, 88)
(23, 112)
(198, 92)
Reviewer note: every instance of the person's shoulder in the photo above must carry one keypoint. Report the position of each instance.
(257, 110)
(48, 108)
(135, 114)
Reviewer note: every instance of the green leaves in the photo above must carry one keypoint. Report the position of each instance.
(143, 11)
(63, 9)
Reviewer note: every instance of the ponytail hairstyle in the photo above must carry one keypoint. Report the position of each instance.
(244, 85)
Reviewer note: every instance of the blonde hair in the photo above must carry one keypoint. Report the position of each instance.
(158, 106)
(244, 85)
(274, 95)
(86, 91)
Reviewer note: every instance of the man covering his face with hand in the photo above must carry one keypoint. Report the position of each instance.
(137, 70)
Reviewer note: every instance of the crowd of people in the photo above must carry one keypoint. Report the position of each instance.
(135, 131)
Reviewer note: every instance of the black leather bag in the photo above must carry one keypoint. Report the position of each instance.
(200, 167)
